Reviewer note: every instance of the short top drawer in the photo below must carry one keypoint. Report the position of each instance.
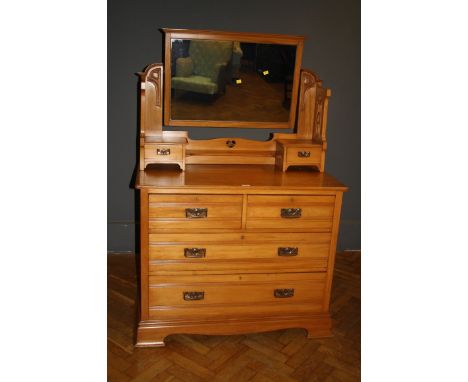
(304, 212)
(303, 155)
(168, 212)
(163, 152)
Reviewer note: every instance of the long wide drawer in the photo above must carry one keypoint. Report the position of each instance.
(298, 212)
(229, 295)
(239, 252)
(182, 212)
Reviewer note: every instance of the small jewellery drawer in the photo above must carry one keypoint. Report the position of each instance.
(303, 155)
(228, 294)
(297, 212)
(246, 252)
(180, 212)
(164, 153)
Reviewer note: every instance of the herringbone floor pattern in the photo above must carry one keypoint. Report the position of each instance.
(284, 355)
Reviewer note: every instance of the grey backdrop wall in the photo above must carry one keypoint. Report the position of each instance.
(332, 49)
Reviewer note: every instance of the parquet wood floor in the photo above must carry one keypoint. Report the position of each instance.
(284, 355)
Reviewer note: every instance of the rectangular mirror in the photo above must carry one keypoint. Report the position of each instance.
(226, 79)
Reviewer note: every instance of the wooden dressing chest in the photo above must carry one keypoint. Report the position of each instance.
(235, 250)
(236, 235)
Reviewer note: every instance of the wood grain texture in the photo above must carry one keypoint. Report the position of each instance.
(215, 257)
(226, 179)
(282, 355)
(151, 134)
(299, 152)
(281, 150)
(225, 253)
(144, 257)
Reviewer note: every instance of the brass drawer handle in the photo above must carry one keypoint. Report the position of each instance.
(288, 251)
(163, 151)
(303, 154)
(192, 296)
(196, 213)
(194, 252)
(291, 213)
(284, 293)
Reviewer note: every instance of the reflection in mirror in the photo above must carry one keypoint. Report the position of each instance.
(231, 80)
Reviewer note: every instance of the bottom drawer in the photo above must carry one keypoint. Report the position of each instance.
(195, 297)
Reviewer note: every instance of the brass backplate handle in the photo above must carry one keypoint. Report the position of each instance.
(196, 213)
(288, 251)
(303, 154)
(291, 213)
(193, 296)
(163, 151)
(284, 293)
(194, 252)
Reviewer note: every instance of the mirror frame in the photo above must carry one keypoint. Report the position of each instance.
(260, 38)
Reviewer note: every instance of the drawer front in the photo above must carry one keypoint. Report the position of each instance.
(314, 213)
(226, 253)
(303, 155)
(180, 212)
(164, 153)
(195, 211)
(228, 294)
(207, 312)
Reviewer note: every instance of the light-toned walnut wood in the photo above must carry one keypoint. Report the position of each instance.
(311, 127)
(317, 212)
(311, 130)
(300, 225)
(219, 247)
(152, 137)
(234, 243)
(151, 84)
(213, 179)
(303, 155)
(331, 261)
(157, 199)
(195, 224)
(243, 252)
(179, 211)
(236, 266)
(314, 200)
(254, 311)
(314, 213)
(164, 152)
(244, 289)
(264, 238)
(144, 258)
(252, 265)
(152, 333)
(168, 212)
(299, 152)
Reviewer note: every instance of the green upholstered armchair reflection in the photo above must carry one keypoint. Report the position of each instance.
(208, 67)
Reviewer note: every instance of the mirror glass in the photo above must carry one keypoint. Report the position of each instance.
(231, 80)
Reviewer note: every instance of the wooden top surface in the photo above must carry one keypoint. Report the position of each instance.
(228, 176)
(165, 140)
(298, 142)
